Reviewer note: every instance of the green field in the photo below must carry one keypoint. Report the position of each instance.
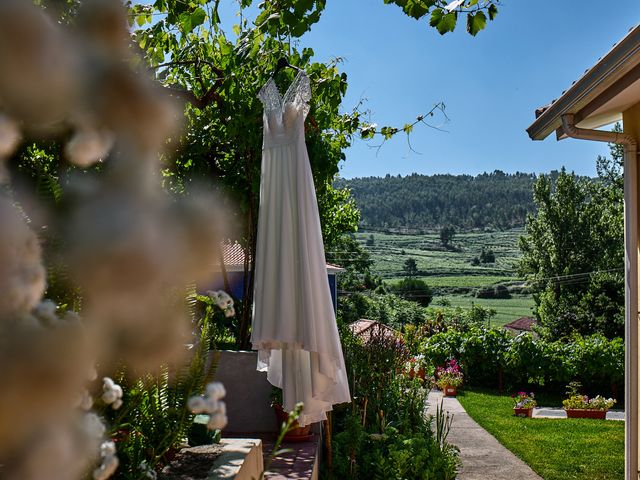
(449, 272)
(507, 310)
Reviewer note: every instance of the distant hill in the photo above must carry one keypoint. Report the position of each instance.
(495, 200)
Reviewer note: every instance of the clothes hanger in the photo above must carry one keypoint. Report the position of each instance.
(284, 63)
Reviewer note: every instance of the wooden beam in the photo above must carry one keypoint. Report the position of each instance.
(631, 120)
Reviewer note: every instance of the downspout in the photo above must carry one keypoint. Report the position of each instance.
(631, 279)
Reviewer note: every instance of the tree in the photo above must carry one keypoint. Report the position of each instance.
(572, 254)
(446, 235)
(370, 241)
(443, 15)
(487, 256)
(414, 289)
(410, 267)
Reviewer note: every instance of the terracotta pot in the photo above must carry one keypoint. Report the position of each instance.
(584, 413)
(296, 433)
(450, 391)
(523, 412)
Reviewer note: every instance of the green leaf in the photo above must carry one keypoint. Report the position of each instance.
(416, 9)
(408, 128)
(198, 17)
(447, 23)
(436, 17)
(476, 22)
(493, 11)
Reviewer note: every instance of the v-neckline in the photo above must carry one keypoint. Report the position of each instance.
(289, 88)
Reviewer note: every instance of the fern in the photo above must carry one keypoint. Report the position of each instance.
(156, 419)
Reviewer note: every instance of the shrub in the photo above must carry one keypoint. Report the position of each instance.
(491, 358)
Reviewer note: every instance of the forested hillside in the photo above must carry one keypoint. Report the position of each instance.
(421, 202)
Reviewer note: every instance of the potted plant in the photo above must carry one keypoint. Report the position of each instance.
(581, 406)
(449, 378)
(523, 404)
(415, 367)
(295, 433)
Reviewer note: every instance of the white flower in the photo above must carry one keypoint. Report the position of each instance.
(93, 426)
(217, 421)
(109, 461)
(211, 404)
(112, 393)
(216, 390)
(107, 448)
(222, 299)
(148, 471)
(197, 404)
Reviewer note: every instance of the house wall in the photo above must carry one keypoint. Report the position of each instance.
(631, 122)
(236, 282)
(248, 396)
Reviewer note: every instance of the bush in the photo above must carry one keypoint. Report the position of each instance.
(415, 290)
(491, 358)
(499, 291)
(384, 433)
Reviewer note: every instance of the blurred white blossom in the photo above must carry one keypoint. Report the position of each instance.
(109, 462)
(223, 301)
(9, 136)
(212, 405)
(112, 393)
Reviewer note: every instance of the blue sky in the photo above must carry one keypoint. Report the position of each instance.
(490, 84)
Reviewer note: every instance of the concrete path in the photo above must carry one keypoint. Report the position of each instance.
(551, 412)
(482, 456)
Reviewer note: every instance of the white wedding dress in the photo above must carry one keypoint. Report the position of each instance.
(294, 326)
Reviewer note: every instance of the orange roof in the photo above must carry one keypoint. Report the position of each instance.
(523, 324)
(233, 255)
(365, 329)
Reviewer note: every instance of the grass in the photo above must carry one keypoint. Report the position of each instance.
(507, 309)
(450, 273)
(389, 252)
(557, 449)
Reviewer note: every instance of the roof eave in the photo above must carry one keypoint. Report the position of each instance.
(609, 69)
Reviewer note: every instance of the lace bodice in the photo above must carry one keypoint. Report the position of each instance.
(284, 114)
(298, 94)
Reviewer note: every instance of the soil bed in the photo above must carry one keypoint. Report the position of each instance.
(191, 463)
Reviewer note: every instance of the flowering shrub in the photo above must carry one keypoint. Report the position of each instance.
(583, 402)
(523, 400)
(416, 367)
(449, 376)
(576, 401)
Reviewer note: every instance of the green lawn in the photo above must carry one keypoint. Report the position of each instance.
(557, 449)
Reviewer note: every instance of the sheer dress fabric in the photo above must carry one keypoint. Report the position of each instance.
(294, 327)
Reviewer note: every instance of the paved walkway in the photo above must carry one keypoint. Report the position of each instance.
(551, 412)
(482, 456)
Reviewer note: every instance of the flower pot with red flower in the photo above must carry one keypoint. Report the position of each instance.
(416, 367)
(449, 378)
(523, 404)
